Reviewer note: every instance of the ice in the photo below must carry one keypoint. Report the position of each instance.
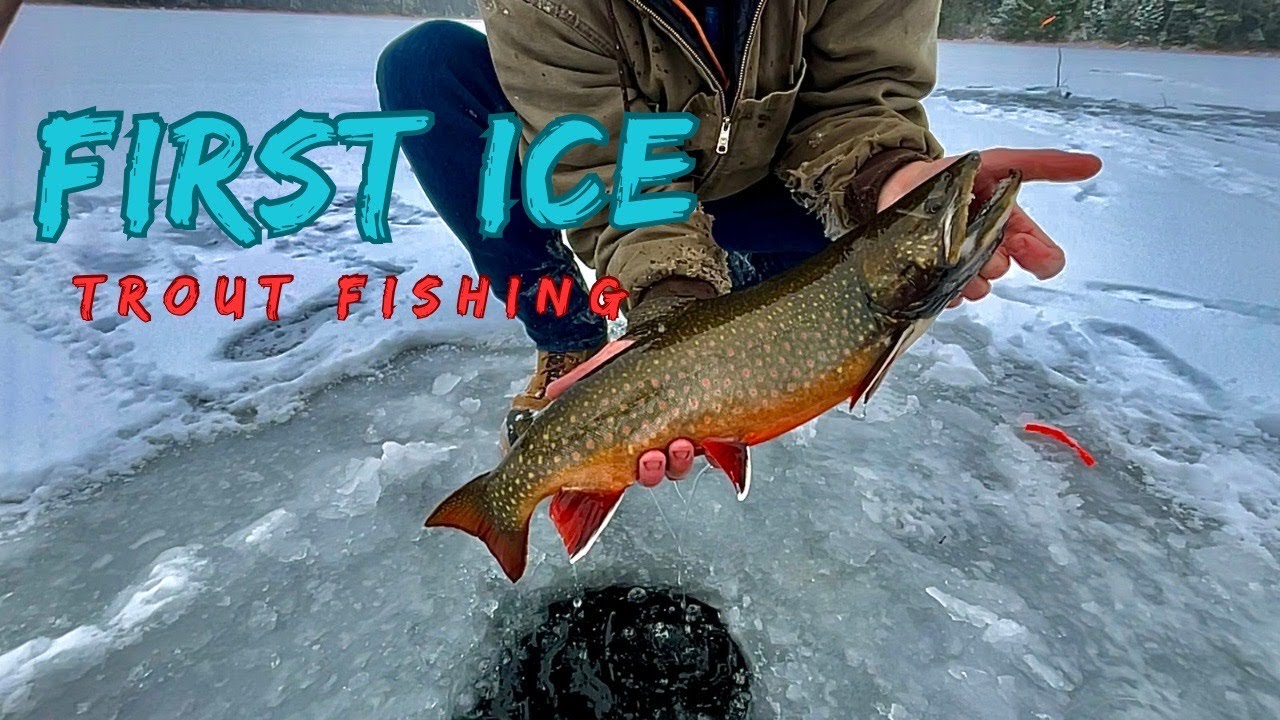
(919, 558)
(445, 383)
(158, 600)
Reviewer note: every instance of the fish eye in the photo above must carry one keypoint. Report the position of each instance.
(932, 207)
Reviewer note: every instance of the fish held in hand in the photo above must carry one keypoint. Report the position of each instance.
(738, 370)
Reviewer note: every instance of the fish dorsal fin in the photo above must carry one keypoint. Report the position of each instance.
(734, 458)
(877, 373)
(580, 516)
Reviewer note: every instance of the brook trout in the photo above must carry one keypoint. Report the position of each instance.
(737, 370)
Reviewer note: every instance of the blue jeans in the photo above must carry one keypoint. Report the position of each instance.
(445, 67)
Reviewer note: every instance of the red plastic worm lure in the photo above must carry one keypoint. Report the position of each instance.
(1063, 438)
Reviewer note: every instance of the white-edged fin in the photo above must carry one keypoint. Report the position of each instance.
(580, 516)
(946, 235)
(734, 458)
(914, 332)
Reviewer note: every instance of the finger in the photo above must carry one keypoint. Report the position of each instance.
(955, 302)
(976, 289)
(560, 385)
(679, 458)
(1031, 247)
(997, 266)
(1041, 164)
(651, 468)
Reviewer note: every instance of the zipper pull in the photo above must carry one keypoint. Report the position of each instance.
(722, 144)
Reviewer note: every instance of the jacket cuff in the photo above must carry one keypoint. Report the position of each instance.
(862, 194)
(670, 257)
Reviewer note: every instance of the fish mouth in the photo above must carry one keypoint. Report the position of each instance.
(970, 242)
(985, 228)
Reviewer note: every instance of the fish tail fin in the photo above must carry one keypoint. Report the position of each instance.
(467, 510)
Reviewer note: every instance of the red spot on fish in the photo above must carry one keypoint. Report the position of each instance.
(746, 372)
(1064, 438)
(706, 383)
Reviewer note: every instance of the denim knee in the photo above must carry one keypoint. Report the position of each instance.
(429, 55)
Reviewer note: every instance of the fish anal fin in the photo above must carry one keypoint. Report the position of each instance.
(580, 516)
(506, 538)
(734, 458)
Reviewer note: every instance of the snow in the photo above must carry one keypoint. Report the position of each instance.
(217, 518)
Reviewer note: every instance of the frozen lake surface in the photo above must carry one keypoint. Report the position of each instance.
(207, 519)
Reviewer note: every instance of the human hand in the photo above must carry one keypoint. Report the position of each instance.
(1024, 241)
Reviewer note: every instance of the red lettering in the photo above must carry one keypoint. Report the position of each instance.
(513, 295)
(233, 305)
(468, 295)
(422, 290)
(87, 284)
(275, 287)
(389, 296)
(606, 297)
(132, 290)
(349, 292)
(560, 300)
(180, 284)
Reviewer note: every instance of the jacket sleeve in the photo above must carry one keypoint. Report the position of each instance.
(551, 62)
(858, 116)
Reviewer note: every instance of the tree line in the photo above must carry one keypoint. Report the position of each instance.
(1216, 24)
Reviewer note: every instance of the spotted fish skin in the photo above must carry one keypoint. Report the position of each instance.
(741, 368)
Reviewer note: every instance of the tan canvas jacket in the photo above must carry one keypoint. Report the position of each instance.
(824, 85)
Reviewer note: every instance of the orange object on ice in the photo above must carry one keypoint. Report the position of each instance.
(1062, 437)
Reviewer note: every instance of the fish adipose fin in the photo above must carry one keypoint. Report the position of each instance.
(734, 458)
(466, 510)
(580, 516)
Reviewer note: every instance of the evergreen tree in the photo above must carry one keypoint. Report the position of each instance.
(1148, 18)
(1094, 21)
(1180, 21)
(1026, 19)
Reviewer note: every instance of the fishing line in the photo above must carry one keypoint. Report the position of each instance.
(664, 518)
(692, 491)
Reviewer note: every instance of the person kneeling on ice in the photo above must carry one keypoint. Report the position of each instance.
(810, 121)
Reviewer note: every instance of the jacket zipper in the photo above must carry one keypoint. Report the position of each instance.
(726, 123)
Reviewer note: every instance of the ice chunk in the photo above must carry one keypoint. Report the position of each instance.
(445, 383)
(171, 584)
(997, 628)
(361, 490)
(954, 367)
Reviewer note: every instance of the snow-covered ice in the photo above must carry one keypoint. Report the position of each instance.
(210, 519)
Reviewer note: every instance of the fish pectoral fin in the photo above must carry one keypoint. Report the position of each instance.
(734, 458)
(871, 382)
(580, 516)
